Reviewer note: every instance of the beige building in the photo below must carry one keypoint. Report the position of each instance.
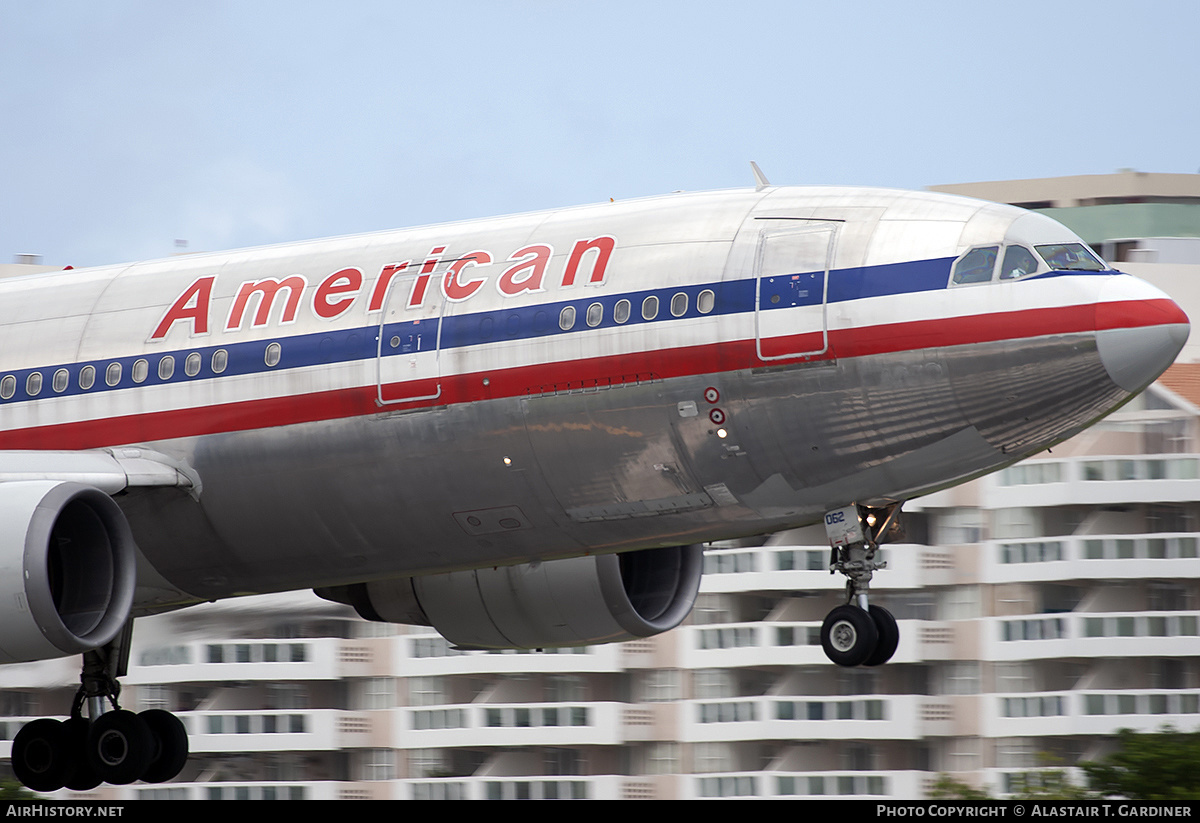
(1130, 216)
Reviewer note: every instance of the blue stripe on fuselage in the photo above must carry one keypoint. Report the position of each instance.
(524, 322)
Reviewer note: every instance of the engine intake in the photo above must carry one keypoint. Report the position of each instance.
(67, 569)
(576, 602)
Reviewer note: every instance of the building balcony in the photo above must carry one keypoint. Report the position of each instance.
(429, 654)
(806, 785)
(1087, 634)
(861, 717)
(803, 568)
(517, 724)
(242, 660)
(1096, 481)
(264, 730)
(1093, 557)
(1087, 712)
(834, 784)
(765, 785)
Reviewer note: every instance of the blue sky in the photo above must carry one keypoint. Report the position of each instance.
(128, 125)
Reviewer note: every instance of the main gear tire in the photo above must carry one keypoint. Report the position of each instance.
(41, 756)
(120, 747)
(82, 777)
(171, 745)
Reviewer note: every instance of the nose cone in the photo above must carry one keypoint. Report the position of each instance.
(1139, 331)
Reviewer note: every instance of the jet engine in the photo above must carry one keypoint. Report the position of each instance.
(580, 601)
(67, 569)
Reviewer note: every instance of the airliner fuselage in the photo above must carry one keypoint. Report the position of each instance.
(521, 430)
(629, 375)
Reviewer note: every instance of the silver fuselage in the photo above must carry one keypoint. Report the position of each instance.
(628, 375)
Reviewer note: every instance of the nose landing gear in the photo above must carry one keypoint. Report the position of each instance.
(859, 633)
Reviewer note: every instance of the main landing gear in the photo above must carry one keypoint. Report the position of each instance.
(113, 746)
(859, 633)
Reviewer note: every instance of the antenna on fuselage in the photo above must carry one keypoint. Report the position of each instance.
(760, 180)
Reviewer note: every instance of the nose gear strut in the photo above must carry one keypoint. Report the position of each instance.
(858, 633)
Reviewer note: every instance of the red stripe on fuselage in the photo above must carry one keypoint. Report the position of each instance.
(597, 372)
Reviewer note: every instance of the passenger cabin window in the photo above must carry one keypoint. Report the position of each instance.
(1070, 257)
(977, 266)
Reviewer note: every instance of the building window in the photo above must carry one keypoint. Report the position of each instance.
(377, 764)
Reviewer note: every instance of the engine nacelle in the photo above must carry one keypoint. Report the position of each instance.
(576, 602)
(67, 569)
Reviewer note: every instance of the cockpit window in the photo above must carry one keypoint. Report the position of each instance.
(1070, 257)
(1018, 262)
(977, 266)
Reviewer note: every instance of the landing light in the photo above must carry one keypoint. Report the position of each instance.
(722, 433)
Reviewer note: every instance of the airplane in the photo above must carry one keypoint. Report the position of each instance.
(523, 430)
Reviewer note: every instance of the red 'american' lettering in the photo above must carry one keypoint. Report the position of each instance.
(335, 294)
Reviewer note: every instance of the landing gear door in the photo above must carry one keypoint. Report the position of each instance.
(792, 291)
(410, 340)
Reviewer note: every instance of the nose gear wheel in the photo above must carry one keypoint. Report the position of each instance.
(859, 633)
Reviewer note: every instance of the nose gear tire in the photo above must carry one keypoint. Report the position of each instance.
(848, 636)
(889, 636)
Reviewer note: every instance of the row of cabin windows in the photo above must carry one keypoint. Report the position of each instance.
(705, 301)
(138, 372)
